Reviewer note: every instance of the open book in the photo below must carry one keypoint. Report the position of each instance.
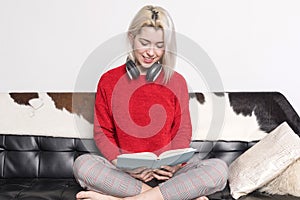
(151, 161)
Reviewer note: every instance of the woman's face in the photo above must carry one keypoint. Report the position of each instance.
(148, 47)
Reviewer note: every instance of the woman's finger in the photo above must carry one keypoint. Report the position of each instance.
(160, 177)
(143, 175)
(169, 169)
(163, 172)
(148, 176)
(149, 179)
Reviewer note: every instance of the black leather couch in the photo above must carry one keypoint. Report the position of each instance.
(40, 167)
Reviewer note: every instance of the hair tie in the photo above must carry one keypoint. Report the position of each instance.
(154, 15)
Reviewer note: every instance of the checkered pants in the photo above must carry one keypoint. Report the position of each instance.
(197, 178)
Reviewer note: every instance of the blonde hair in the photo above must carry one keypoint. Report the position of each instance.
(157, 17)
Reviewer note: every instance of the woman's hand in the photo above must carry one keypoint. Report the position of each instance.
(141, 173)
(166, 172)
(144, 175)
(114, 162)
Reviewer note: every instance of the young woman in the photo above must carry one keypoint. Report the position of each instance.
(142, 106)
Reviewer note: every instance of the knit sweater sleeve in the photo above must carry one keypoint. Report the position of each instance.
(182, 128)
(104, 128)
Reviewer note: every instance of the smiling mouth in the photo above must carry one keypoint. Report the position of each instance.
(148, 60)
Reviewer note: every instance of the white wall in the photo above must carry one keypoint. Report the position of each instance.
(254, 44)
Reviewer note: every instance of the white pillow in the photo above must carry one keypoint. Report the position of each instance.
(286, 183)
(264, 161)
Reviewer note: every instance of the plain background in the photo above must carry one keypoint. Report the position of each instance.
(254, 44)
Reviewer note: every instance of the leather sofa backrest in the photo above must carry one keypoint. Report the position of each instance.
(40, 156)
(48, 157)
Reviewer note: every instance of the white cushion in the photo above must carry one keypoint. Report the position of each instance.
(264, 161)
(286, 183)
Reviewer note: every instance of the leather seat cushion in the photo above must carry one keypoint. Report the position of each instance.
(38, 189)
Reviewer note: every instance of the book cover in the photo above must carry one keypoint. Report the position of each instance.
(152, 161)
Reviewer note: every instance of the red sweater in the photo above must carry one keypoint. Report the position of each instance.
(136, 116)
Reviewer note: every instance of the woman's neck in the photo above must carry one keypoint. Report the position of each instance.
(143, 70)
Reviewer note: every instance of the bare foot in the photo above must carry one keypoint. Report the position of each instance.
(202, 198)
(91, 195)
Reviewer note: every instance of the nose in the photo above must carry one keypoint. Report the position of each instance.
(150, 51)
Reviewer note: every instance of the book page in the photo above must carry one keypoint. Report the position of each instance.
(175, 157)
(142, 155)
(136, 160)
(175, 152)
(133, 163)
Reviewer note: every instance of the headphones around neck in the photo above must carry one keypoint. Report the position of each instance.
(152, 73)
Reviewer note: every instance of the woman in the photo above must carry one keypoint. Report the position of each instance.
(143, 106)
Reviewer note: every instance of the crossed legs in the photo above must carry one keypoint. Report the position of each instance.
(197, 178)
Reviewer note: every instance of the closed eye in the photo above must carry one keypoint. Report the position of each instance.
(160, 45)
(144, 42)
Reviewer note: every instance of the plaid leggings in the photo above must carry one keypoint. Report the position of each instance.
(197, 178)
